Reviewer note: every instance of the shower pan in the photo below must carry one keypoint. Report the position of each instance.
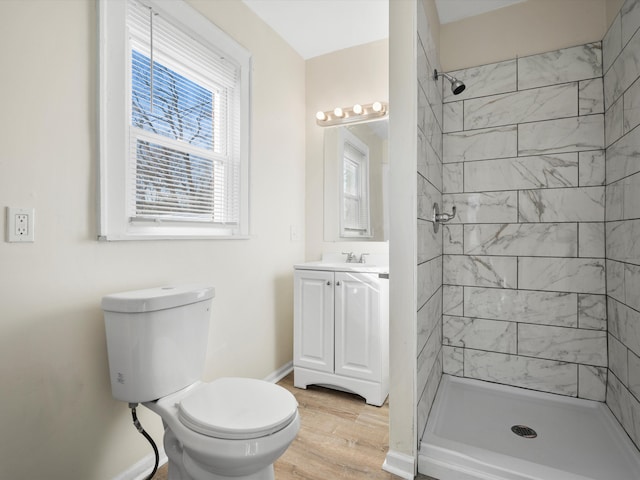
(470, 436)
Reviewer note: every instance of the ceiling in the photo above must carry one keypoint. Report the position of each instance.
(316, 27)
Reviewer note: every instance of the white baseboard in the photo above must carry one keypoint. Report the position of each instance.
(142, 468)
(279, 374)
(400, 464)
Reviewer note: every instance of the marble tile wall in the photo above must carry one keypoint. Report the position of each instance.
(524, 282)
(621, 64)
(429, 243)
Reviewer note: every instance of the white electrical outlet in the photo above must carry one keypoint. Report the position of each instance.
(20, 224)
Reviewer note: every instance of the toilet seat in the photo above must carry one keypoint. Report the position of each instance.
(237, 408)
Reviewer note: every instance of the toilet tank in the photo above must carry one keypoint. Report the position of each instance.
(156, 340)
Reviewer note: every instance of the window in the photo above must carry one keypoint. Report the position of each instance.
(354, 190)
(174, 124)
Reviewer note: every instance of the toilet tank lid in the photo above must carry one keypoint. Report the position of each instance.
(158, 298)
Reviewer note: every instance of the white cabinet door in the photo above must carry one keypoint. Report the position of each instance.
(313, 320)
(357, 326)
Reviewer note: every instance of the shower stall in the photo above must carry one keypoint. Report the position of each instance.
(528, 301)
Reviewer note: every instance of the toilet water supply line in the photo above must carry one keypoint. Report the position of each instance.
(137, 424)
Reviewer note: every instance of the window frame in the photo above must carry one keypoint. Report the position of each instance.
(114, 115)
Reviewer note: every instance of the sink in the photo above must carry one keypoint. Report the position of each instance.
(337, 263)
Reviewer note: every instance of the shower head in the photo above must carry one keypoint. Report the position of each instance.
(457, 87)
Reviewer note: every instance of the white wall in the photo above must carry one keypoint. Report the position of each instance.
(339, 79)
(58, 419)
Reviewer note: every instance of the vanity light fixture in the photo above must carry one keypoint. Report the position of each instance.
(357, 113)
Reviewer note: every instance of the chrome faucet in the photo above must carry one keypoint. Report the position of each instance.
(351, 257)
(362, 259)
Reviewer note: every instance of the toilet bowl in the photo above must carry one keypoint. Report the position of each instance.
(230, 428)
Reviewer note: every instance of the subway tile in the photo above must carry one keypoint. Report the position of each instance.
(592, 382)
(453, 177)
(560, 66)
(591, 239)
(591, 167)
(429, 317)
(453, 119)
(480, 271)
(428, 358)
(580, 275)
(630, 13)
(453, 360)
(452, 296)
(499, 142)
(614, 200)
(624, 71)
(563, 344)
(489, 207)
(537, 374)
(625, 324)
(489, 79)
(429, 393)
(612, 44)
(429, 163)
(592, 311)
(452, 238)
(623, 241)
(532, 105)
(429, 243)
(428, 123)
(428, 194)
(615, 280)
(614, 122)
(631, 107)
(544, 308)
(618, 359)
(614, 316)
(520, 173)
(590, 97)
(624, 407)
(429, 279)
(632, 286)
(564, 135)
(481, 334)
(623, 198)
(584, 204)
(540, 239)
(634, 373)
(622, 156)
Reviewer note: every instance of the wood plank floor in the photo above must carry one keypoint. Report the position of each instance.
(340, 438)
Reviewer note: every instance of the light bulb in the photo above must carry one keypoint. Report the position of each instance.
(338, 112)
(357, 109)
(321, 116)
(377, 107)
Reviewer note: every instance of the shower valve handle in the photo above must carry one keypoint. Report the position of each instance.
(439, 218)
(443, 217)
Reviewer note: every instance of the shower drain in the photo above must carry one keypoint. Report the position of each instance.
(524, 431)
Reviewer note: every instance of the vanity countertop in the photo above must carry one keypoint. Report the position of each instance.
(343, 267)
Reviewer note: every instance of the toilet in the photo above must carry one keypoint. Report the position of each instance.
(230, 428)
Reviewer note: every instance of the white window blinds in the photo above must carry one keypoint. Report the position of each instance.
(184, 131)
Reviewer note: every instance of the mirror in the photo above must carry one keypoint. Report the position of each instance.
(356, 167)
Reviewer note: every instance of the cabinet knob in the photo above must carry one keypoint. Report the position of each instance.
(328, 283)
(338, 283)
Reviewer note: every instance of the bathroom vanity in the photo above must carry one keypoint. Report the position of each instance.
(341, 328)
